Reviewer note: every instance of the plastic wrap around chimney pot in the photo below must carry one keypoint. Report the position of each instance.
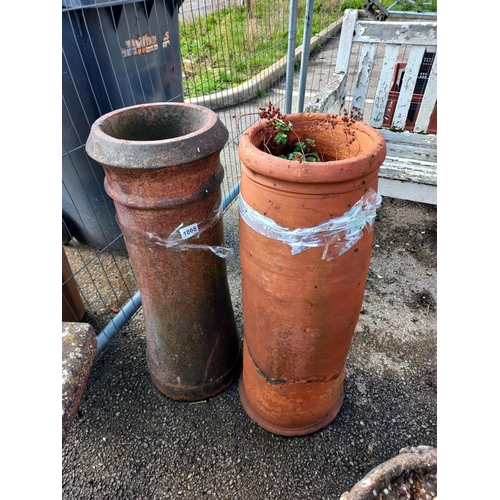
(115, 54)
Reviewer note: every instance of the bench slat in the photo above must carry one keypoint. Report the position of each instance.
(406, 92)
(384, 86)
(425, 155)
(429, 100)
(404, 169)
(365, 68)
(409, 138)
(405, 190)
(414, 33)
(345, 43)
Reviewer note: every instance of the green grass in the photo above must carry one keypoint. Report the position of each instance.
(232, 45)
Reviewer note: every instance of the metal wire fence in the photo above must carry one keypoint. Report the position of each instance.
(232, 56)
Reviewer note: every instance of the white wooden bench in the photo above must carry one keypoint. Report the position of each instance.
(388, 71)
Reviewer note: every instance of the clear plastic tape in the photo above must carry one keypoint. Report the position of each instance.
(337, 235)
(181, 238)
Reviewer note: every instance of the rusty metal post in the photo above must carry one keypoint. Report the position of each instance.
(73, 308)
(162, 169)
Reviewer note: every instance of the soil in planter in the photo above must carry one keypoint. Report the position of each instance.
(291, 141)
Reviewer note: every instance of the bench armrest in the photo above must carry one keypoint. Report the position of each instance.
(331, 99)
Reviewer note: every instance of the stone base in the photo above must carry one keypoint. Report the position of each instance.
(79, 345)
(411, 474)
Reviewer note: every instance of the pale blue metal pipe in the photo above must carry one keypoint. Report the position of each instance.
(111, 330)
(229, 198)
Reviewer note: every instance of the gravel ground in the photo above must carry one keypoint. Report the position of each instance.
(131, 442)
